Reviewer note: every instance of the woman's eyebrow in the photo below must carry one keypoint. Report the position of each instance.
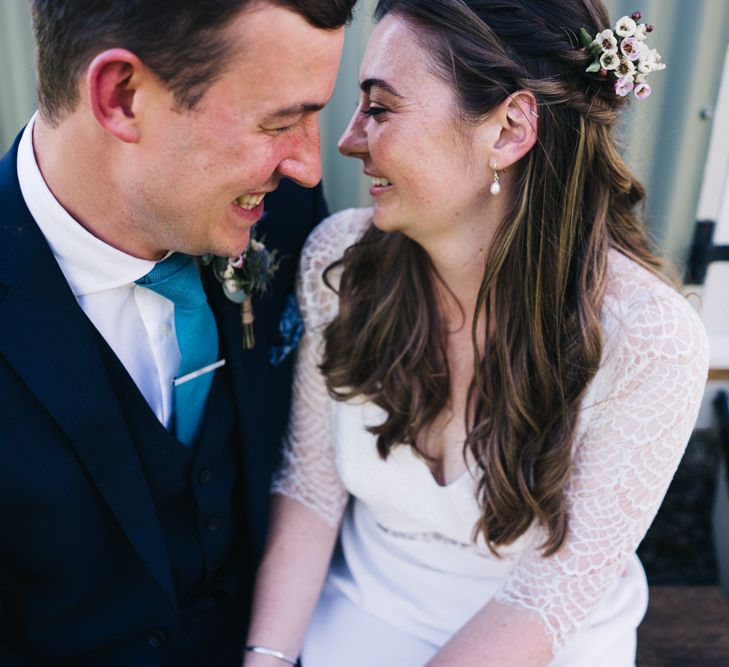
(367, 84)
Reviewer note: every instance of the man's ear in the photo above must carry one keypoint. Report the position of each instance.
(112, 82)
(518, 120)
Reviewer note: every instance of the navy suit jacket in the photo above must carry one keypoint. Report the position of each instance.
(82, 559)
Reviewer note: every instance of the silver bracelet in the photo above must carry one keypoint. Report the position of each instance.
(271, 652)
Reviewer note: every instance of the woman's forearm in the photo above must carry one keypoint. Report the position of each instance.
(289, 580)
(497, 635)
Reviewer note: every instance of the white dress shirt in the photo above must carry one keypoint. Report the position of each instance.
(137, 323)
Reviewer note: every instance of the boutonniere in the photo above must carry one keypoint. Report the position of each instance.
(243, 276)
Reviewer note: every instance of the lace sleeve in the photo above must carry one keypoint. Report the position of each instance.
(632, 437)
(308, 472)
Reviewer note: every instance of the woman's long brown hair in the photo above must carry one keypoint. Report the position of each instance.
(544, 279)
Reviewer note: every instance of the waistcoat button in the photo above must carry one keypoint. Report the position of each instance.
(204, 475)
(157, 638)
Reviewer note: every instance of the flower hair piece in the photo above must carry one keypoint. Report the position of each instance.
(624, 52)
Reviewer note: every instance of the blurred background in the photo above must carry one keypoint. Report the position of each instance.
(677, 142)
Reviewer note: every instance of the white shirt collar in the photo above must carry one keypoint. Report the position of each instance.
(89, 264)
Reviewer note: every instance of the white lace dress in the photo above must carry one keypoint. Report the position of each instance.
(407, 574)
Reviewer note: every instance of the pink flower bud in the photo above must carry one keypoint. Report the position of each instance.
(636, 16)
(649, 28)
(624, 85)
(642, 90)
(602, 73)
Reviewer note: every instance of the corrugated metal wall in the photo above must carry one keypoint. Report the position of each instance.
(666, 136)
(17, 70)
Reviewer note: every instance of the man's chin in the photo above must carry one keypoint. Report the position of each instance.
(240, 248)
(232, 248)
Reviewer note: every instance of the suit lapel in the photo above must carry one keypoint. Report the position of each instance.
(261, 391)
(50, 343)
(251, 383)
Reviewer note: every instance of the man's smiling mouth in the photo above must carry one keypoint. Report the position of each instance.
(249, 202)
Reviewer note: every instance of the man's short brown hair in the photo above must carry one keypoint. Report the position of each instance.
(181, 41)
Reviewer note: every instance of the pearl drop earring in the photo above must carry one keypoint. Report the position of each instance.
(495, 186)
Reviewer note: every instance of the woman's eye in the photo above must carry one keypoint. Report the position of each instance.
(374, 111)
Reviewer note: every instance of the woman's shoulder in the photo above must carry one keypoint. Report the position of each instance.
(333, 235)
(655, 357)
(646, 315)
(326, 244)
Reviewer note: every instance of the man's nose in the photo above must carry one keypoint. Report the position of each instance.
(303, 164)
(353, 143)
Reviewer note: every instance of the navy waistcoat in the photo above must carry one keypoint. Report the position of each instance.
(198, 497)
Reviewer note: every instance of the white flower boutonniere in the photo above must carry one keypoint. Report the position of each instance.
(243, 276)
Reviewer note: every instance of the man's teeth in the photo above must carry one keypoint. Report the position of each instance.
(249, 201)
(380, 182)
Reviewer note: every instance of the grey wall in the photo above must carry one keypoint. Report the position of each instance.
(17, 72)
(666, 136)
(343, 181)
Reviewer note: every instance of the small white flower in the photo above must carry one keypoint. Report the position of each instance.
(625, 68)
(639, 78)
(640, 32)
(624, 85)
(229, 272)
(650, 61)
(655, 59)
(625, 27)
(642, 90)
(609, 61)
(649, 55)
(606, 41)
(232, 286)
(645, 59)
(257, 246)
(630, 48)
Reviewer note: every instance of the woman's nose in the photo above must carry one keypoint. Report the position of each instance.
(353, 141)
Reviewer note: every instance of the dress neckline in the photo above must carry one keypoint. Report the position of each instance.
(423, 466)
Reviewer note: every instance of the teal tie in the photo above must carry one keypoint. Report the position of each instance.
(177, 279)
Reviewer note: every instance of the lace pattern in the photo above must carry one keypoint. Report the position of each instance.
(309, 472)
(634, 425)
(632, 439)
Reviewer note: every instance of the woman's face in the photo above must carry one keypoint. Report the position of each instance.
(430, 173)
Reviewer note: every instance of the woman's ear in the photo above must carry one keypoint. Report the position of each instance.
(517, 119)
(112, 83)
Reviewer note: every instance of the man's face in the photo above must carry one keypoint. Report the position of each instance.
(196, 178)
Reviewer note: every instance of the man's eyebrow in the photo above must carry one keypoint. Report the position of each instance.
(367, 84)
(296, 110)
